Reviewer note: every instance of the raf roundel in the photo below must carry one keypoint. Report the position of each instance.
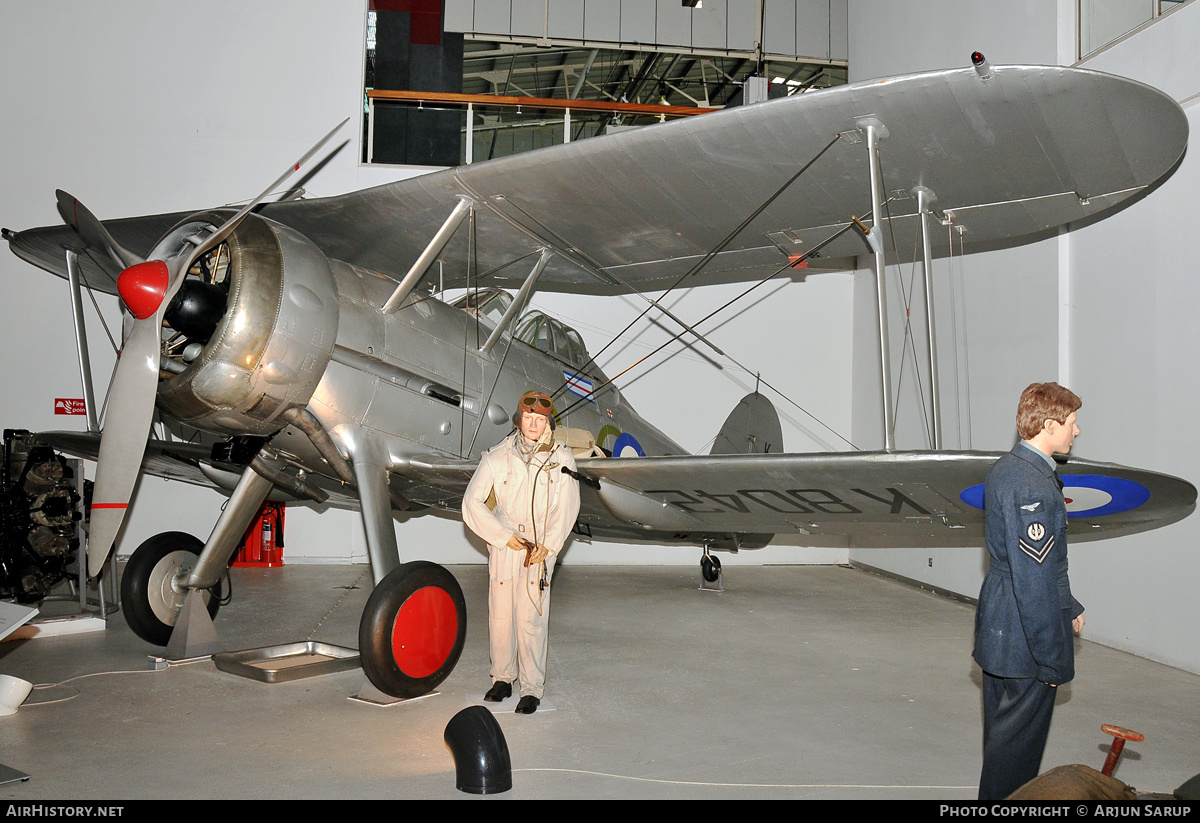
(1087, 495)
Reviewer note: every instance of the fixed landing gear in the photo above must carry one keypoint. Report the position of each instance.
(710, 573)
(151, 595)
(413, 629)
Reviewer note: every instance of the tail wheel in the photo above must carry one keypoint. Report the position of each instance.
(150, 595)
(413, 629)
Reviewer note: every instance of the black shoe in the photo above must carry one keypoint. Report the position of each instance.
(528, 704)
(498, 692)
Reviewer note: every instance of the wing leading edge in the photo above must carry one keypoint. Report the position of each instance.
(867, 498)
(880, 499)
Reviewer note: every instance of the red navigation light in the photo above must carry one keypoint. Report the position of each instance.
(142, 287)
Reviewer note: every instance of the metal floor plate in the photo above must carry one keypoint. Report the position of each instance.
(287, 662)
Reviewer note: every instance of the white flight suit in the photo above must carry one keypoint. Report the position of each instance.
(536, 501)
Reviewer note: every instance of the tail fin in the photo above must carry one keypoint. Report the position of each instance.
(751, 428)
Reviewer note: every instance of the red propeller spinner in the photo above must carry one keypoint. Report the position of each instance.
(143, 286)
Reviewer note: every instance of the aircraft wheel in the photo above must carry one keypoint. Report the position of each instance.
(150, 597)
(413, 629)
(710, 568)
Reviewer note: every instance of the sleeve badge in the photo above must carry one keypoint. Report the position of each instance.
(1032, 544)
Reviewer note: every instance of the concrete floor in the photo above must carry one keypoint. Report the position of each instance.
(796, 682)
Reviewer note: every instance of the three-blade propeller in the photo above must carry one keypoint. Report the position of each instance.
(146, 289)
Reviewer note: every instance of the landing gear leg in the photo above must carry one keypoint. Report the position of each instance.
(710, 573)
(415, 623)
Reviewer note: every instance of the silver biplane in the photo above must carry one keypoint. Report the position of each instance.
(297, 351)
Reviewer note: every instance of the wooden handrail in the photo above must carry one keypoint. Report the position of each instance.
(557, 103)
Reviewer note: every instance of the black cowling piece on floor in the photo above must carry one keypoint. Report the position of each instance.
(481, 761)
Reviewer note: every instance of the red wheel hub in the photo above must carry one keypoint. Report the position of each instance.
(424, 632)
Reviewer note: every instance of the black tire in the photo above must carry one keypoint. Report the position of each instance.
(413, 629)
(710, 568)
(147, 599)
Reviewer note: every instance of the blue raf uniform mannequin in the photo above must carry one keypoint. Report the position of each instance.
(1027, 616)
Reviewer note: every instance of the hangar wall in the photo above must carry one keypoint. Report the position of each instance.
(140, 118)
(1107, 310)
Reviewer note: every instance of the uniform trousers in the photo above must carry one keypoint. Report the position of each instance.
(518, 620)
(1016, 723)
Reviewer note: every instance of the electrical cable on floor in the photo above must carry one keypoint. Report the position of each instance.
(63, 683)
(748, 785)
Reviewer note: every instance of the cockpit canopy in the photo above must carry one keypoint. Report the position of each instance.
(549, 335)
(535, 328)
(487, 304)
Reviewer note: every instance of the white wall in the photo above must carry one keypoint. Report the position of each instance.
(143, 106)
(1107, 310)
(1134, 339)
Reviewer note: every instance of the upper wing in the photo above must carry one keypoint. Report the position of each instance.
(1014, 156)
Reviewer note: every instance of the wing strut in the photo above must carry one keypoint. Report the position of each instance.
(81, 346)
(430, 254)
(925, 200)
(517, 304)
(876, 131)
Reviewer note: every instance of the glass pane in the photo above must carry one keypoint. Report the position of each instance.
(1103, 21)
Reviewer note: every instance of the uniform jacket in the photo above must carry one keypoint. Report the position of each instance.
(1023, 623)
(534, 500)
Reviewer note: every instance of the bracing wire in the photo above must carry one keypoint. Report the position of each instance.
(700, 264)
(790, 264)
(907, 337)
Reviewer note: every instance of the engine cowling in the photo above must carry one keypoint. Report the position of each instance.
(270, 346)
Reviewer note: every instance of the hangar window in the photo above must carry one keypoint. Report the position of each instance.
(1102, 22)
(450, 83)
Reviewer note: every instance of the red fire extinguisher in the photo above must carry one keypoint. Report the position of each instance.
(262, 544)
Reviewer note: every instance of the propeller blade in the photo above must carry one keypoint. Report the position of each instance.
(123, 441)
(232, 223)
(79, 217)
(146, 287)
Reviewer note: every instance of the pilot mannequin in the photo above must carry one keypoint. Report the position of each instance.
(524, 506)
